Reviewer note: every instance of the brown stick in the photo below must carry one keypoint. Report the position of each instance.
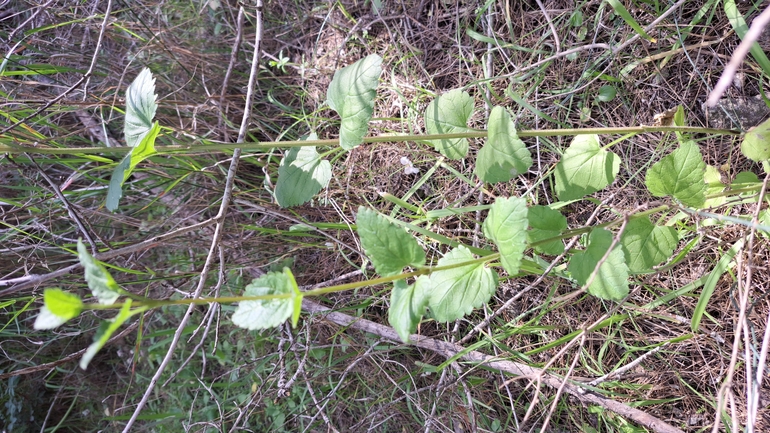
(449, 350)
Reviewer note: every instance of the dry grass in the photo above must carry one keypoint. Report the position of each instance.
(347, 380)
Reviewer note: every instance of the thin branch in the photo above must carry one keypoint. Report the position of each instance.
(219, 231)
(739, 54)
(449, 350)
(67, 205)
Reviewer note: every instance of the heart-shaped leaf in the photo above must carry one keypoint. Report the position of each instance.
(506, 226)
(302, 175)
(389, 247)
(611, 280)
(266, 313)
(456, 292)
(679, 174)
(585, 168)
(351, 94)
(449, 114)
(504, 155)
(646, 245)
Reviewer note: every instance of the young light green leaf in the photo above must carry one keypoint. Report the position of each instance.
(105, 331)
(714, 185)
(298, 296)
(302, 175)
(266, 313)
(646, 245)
(144, 150)
(504, 155)
(140, 107)
(389, 247)
(679, 174)
(506, 226)
(58, 307)
(407, 306)
(101, 283)
(756, 142)
(449, 114)
(546, 223)
(611, 280)
(585, 168)
(351, 94)
(456, 292)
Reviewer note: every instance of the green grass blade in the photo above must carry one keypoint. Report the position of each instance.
(711, 283)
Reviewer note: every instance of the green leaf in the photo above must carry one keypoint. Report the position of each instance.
(722, 266)
(298, 296)
(407, 306)
(756, 142)
(388, 246)
(504, 155)
(140, 107)
(449, 114)
(546, 223)
(680, 174)
(58, 307)
(606, 93)
(585, 168)
(266, 313)
(115, 190)
(646, 245)
(745, 178)
(351, 94)
(456, 292)
(611, 280)
(302, 175)
(101, 283)
(105, 331)
(144, 150)
(506, 226)
(621, 10)
(714, 185)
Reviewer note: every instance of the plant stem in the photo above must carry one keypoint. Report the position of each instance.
(216, 146)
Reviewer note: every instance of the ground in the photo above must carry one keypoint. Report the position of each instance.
(557, 65)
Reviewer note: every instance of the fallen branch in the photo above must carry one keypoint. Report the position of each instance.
(449, 350)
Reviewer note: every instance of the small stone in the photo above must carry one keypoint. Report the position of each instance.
(736, 113)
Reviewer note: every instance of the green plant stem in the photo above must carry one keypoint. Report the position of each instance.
(207, 146)
(151, 303)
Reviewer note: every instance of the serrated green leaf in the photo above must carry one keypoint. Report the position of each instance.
(449, 114)
(105, 331)
(585, 168)
(351, 94)
(407, 306)
(756, 142)
(679, 174)
(144, 150)
(456, 292)
(646, 245)
(266, 313)
(140, 107)
(504, 155)
(546, 223)
(58, 307)
(388, 246)
(101, 283)
(611, 280)
(302, 175)
(506, 226)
